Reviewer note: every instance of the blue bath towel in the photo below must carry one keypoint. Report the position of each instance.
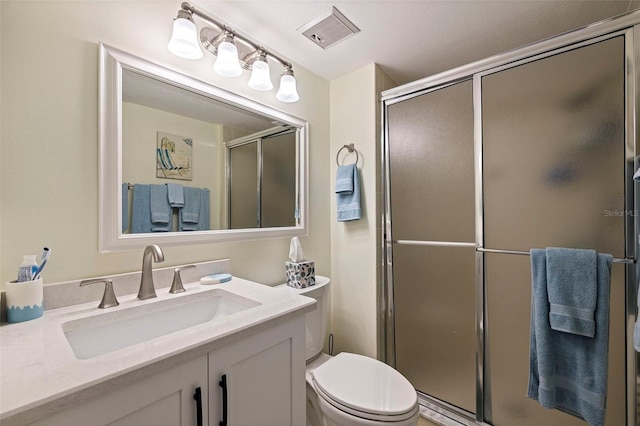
(205, 210)
(572, 285)
(140, 209)
(125, 207)
(160, 209)
(636, 327)
(348, 203)
(175, 193)
(568, 371)
(191, 210)
(636, 331)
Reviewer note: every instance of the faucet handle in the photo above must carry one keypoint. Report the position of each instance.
(176, 286)
(109, 297)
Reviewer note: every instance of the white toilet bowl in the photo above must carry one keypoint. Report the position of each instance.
(350, 389)
(354, 390)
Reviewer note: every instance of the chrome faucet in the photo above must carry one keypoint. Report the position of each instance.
(147, 289)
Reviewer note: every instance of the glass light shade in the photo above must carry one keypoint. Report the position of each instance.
(227, 63)
(184, 40)
(260, 76)
(287, 91)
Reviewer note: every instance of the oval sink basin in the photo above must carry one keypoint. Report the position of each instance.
(110, 331)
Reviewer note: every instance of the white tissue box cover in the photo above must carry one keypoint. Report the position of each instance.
(300, 274)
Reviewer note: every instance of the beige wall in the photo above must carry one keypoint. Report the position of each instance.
(355, 246)
(49, 138)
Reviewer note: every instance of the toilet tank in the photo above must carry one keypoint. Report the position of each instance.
(317, 320)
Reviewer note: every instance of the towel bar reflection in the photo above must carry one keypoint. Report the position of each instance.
(350, 148)
(526, 253)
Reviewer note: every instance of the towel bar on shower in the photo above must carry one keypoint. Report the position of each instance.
(350, 148)
(526, 253)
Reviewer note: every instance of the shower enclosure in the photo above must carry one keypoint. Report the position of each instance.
(530, 149)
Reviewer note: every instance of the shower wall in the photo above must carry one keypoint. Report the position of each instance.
(528, 154)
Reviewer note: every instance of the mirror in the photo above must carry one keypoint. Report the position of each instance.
(182, 161)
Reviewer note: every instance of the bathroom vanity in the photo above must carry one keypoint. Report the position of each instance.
(241, 362)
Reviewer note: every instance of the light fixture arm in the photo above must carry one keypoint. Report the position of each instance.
(224, 29)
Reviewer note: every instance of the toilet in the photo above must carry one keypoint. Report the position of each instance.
(350, 389)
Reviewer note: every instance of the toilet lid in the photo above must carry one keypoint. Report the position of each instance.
(366, 385)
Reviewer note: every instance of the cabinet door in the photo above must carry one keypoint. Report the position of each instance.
(165, 399)
(265, 379)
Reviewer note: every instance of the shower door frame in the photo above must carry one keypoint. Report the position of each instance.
(627, 25)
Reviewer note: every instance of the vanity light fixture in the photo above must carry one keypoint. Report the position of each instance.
(184, 39)
(227, 64)
(260, 73)
(229, 47)
(287, 91)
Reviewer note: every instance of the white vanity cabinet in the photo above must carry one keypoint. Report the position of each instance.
(164, 399)
(265, 386)
(264, 377)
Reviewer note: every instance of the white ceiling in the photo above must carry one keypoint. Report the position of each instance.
(408, 39)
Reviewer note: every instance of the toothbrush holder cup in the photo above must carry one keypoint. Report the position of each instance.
(24, 300)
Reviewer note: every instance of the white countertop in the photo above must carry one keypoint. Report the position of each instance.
(41, 375)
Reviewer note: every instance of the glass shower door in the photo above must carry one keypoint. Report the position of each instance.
(433, 229)
(553, 167)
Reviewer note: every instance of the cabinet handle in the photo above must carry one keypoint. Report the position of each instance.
(198, 398)
(223, 385)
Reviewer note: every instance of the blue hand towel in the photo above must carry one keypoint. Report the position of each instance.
(189, 215)
(572, 288)
(636, 333)
(568, 371)
(344, 179)
(125, 207)
(175, 194)
(160, 209)
(140, 209)
(348, 203)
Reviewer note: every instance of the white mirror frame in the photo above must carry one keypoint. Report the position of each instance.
(110, 236)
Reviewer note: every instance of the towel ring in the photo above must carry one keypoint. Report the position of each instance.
(350, 148)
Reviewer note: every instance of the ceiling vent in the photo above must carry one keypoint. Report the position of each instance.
(329, 28)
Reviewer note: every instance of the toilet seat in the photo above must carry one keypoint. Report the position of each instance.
(366, 388)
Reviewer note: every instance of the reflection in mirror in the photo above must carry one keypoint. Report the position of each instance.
(267, 197)
(192, 162)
